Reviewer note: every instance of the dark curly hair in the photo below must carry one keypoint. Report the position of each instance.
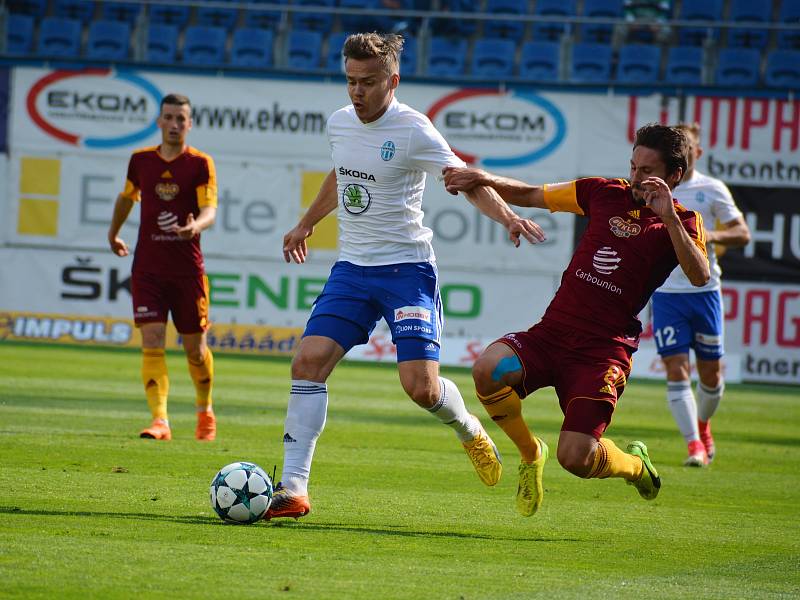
(671, 143)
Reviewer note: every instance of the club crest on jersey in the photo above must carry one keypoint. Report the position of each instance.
(356, 198)
(623, 228)
(387, 150)
(167, 190)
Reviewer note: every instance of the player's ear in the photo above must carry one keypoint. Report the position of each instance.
(394, 81)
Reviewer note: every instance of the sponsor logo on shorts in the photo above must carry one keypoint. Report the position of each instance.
(430, 347)
(412, 312)
(167, 190)
(605, 261)
(511, 337)
(142, 309)
(356, 199)
(623, 228)
(708, 339)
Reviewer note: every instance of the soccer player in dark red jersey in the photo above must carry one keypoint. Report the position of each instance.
(176, 186)
(583, 345)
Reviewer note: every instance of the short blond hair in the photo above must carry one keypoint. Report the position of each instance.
(386, 47)
(690, 128)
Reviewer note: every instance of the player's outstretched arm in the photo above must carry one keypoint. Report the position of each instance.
(295, 247)
(489, 202)
(694, 263)
(735, 234)
(513, 191)
(122, 208)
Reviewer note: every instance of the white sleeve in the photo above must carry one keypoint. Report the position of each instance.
(428, 150)
(724, 208)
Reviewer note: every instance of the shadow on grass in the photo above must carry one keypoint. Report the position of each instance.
(190, 520)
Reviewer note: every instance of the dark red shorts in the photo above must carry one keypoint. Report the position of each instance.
(587, 372)
(155, 296)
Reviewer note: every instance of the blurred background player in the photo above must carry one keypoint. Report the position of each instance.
(685, 316)
(175, 184)
(381, 151)
(635, 237)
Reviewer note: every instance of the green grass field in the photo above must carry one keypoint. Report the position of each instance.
(90, 510)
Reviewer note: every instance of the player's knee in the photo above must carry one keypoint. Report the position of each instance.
(422, 392)
(482, 375)
(575, 459)
(307, 366)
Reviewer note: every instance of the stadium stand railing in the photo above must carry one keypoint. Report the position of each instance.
(596, 43)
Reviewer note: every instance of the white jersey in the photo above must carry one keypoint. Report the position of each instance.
(380, 175)
(712, 199)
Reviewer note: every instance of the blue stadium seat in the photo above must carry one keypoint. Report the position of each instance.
(34, 8)
(446, 57)
(121, 11)
(59, 37)
(789, 14)
(591, 63)
(217, 16)
(162, 43)
(333, 60)
(19, 35)
(360, 22)
(738, 67)
(264, 19)
(505, 29)
(82, 10)
(252, 47)
(684, 65)
(169, 14)
(493, 58)
(453, 26)
(313, 21)
(749, 10)
(204, 45)
(108, 40)
(540, 61)
(699, 10)
(408, 58)
(600, 33)
(553, 31)
(303, 51)
(639, 63)
(783, 69)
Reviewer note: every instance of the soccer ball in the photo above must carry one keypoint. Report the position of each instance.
(241, 493)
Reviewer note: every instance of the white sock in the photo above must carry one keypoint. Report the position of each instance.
(708, 400)
(305, 420)
(683, 408)
(451, 411)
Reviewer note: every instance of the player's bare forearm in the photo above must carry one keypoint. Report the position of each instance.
(692, 261)
(122, 208)
(513, 191)
(206, 218)
(735, 235)
(325, 203)
(489, 202)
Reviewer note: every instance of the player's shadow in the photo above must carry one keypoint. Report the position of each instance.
(186, 519)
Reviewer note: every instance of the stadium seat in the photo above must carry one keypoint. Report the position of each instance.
(360, 22)
(33, 8)
(749, 10)
(446, 57)
(252, 48)
(783, 69)
(591, 63)
(638, 63)
(303, 51)
(59, 37)
(539, 61)
(204, 45)
(169, 14)
(121, 11)
(493, 58)
(699, 10)
(217, 16)
(19, 34)
(600, 33)
(408, 58)
(82, 10)
(264, 19)
(453, 26)
(313, 21)
(505, 29)
(108, 40)
(789, 14)
(684, 65)
(553, 31)
(738, 67)
(333, 60)
(162, 43)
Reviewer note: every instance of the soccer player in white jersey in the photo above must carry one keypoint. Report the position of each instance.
(687, 317)
(381, 151)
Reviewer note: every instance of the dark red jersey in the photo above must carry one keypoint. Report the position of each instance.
(624, 255)
(169, 190)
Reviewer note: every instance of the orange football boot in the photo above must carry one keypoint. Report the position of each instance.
(206, 430)
(158, 430)
(284, 505)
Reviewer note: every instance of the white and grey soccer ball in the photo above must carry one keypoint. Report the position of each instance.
(241, 493)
